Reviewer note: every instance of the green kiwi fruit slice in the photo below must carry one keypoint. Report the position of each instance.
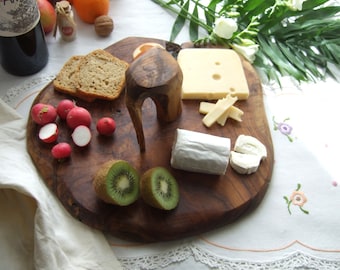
(159, 188)
(117, 182)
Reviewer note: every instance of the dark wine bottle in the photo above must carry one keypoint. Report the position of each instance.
(23, 49)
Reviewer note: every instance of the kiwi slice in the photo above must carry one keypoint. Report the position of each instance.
(159, 188)
(117, 182)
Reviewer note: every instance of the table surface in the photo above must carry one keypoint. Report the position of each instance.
(297, 223)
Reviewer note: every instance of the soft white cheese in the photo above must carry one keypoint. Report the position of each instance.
(247, 155)
(199, 152)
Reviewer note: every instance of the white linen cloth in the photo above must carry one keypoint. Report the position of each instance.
(36, 232)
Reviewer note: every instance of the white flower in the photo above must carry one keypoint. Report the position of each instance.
(295, 4)
(225, 27)
(248, 52)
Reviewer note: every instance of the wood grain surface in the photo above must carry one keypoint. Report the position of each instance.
(206, 201)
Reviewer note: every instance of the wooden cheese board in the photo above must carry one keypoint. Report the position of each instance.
(206, 201)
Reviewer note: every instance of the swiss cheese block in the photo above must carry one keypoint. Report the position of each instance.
(212, 74)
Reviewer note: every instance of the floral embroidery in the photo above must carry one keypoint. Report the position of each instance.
(297, 198)
(284, 128)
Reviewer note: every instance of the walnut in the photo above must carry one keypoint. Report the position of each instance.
(103, 25)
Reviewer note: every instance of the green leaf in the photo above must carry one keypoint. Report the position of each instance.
(210, 12)
(193, 26)
(180, 21)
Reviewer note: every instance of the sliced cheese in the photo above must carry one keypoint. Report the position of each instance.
(244, 163)
(233, 112)
(199, 152)
(212, 74)
(250, 145)
(247, 155)
(221, 106)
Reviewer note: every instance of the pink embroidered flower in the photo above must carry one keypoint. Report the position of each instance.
(298, 198)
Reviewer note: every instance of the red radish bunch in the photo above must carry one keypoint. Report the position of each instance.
(106, 126)
(77, 118)
(43, 113)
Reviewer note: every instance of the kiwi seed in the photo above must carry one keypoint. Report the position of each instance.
(159, 188)
(117, 182)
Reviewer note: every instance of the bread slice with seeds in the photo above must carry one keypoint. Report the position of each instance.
(100, 76)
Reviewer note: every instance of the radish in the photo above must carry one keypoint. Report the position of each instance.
(78, 116)
(106, 126)
(81, 135)
(49, 133)
(64, 106)
(43, 113)
(61, 150)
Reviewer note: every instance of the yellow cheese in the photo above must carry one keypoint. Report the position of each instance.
(212, 74)
(221, 106)
(233, 112)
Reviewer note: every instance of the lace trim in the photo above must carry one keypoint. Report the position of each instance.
(156, 261)
(294, 261)
(25, 87)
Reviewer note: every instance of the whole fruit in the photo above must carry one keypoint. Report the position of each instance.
(43, 113)
(103, 25)
(89, 10)
(48, 16)
(78, 116)
(106, 126)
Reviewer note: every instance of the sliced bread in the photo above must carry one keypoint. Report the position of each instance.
(65, 80)
(100, 75)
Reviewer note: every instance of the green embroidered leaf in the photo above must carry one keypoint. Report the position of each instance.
(305, 211)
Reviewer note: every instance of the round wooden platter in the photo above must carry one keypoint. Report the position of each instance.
(206, 201)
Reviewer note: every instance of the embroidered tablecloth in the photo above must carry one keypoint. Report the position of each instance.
(297, 224)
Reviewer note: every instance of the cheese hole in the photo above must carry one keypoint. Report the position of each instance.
(216, 76)
(217, 63)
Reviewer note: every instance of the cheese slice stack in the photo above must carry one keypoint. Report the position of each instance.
(219, 109)
(199, 152)
(211, 74)
(232, 112)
